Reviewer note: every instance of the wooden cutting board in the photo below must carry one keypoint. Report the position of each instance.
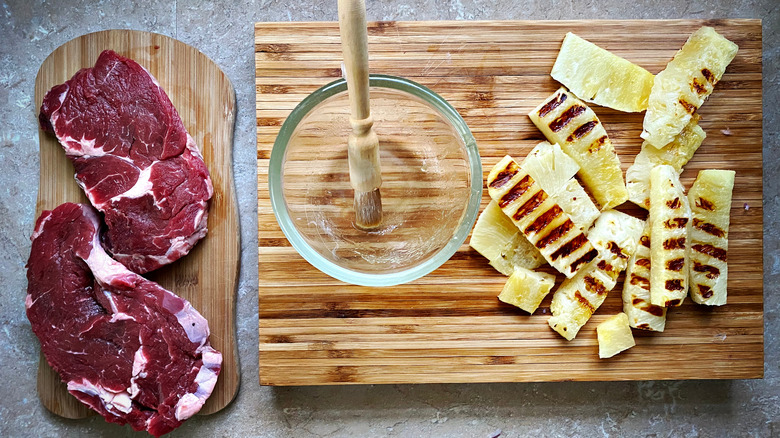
(205, 100)
(449, 326)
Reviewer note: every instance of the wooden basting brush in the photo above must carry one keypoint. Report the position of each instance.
(364, 171)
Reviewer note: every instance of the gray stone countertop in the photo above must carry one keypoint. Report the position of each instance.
(223, 30)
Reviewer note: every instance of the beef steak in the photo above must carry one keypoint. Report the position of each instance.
(129, 349)
(133, 158)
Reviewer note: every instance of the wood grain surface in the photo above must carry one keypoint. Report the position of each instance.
(205, 100)
(449, 326)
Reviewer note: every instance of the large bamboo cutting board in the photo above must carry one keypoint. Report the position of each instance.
(205, 100)
(449, 326)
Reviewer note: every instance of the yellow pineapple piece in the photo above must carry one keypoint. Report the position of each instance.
(526, 289)
(567, 121)
(685, 84)
(554, 171)
(614, 335)
(615, 236)
(498, 239)
(710, 199)
(676, 154)
(598, 76)
(550, 167)
(539, 217)
(670, 215)
(636, 289)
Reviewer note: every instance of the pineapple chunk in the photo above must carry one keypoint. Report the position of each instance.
(710, 199)
(554, 171)
(539, 217)
(614, 336)
(566, 120)
(577, 204)
(636, 289)
(670, 215)
(498, 239)
(550, 167)
(600, 77)
(526, 289)
(615, 236)
(676, 154)
(686, 82)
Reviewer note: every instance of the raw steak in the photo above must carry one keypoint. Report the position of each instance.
(133, 158)
(129, 349)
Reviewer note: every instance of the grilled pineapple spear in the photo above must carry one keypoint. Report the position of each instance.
(615, 235)
(686, 82)
(498, 239)
(501, 242)
(670, 214)
(566, 120)
(710, 199)
(636, 289)
(539, 217)
(676, 154)
(600, 77)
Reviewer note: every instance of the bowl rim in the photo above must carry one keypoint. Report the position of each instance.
(330, 268)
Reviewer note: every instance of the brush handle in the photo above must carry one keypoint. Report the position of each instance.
(354, 45)
(364, 168)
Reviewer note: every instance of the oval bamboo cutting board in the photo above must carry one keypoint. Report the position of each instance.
(449, 326)
(205, 99)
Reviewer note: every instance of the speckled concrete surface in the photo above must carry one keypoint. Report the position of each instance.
(223, 30)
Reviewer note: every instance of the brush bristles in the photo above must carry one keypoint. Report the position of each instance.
(368, 209)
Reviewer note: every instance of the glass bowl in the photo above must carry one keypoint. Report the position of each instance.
(431, 189)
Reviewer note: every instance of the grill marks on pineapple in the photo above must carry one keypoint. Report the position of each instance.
(530, 205)
(556, 234)
(673, 285)
(597, 144)
(674, 204)
(704, 291)
(678, 222)
(505, 175)
(705, 204)
(675, 264)
(553, 103)
(645, 241)
(583, 302)
(711, 251)
(570, 247)
(652, 309)
(517, 191)
(544, 219)
(614, 248)
(582, 130)
(697, 87)
(674, 243)
(564, 119)
(594, 285)
(689, 107)
(643, 262)
(709, 76)
(706, 87)
(710, 272)
(708, 228)
(640, 281)
(590, 255)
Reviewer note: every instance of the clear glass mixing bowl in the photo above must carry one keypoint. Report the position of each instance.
(431, 189)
